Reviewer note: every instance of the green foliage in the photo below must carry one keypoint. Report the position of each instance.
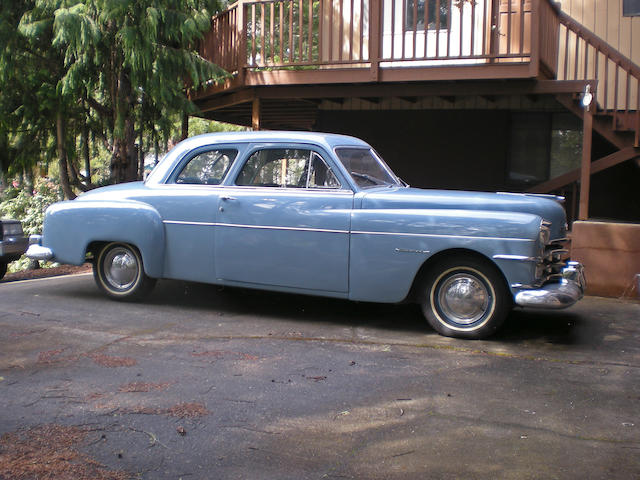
(116, 69)
(29, 208)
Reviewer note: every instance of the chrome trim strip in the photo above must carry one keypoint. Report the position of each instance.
(522, 258)
(273, 227)
(435, 235)
(178, 222)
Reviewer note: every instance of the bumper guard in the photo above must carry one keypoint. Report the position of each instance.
(36, 251)
(559, 295)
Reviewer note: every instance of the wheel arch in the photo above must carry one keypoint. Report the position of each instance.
(428, 265)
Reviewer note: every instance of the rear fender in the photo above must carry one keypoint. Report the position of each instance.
(70, 227)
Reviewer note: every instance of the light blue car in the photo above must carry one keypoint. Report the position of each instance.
(318, 214)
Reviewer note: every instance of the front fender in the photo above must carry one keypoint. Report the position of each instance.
(388, 247)
(69, 228)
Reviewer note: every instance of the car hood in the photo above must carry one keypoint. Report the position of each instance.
(414, 198)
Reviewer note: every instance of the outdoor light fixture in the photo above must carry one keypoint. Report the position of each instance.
(587, 97)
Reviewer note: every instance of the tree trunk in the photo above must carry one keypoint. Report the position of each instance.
(85, 145)
(185, 125)
(124, 160)
(62, 157)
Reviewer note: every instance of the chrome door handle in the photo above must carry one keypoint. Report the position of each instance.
(227, 198)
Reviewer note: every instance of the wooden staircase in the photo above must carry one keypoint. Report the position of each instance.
(615, 82)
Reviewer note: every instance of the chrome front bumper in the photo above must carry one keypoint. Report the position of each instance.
(36, 251)
(559, 295)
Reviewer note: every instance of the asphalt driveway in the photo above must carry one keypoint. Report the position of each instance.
(206, 383)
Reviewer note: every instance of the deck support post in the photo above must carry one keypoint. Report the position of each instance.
(255, 114)
(242, 41)
(375, 38)
(585, 169)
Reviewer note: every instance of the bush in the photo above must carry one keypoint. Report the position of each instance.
(29, 209)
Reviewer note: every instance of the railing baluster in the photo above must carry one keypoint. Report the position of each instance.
(627, 97)
(262, 35)
(310, 32)
(437, 27)
(272, 53)
(473, 28)
(426, 27)
(615, 96)
(300, 28)
(606, 82)
(521, 49)
(485, 24)
(253, 34)
(566, 54)
(281, 31)
(509, 27)
(449, 23)
(362, 37)
(461, 39)
(352, 18)
(320, 30)
(577, 57)
(586, 59)
(292, 46)
(414, 30)
(331, 3)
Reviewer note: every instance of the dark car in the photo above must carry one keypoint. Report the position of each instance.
(13, 243)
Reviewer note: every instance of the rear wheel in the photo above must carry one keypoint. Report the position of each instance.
(3, 269)
(119, 272)
(465, 297)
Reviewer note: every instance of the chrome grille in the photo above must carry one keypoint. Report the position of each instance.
(555, 257)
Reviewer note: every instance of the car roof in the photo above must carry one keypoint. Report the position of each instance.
(329, 140)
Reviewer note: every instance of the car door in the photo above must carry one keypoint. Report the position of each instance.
(285, 222)
(188, 204)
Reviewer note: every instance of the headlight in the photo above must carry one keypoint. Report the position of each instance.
(12, 229)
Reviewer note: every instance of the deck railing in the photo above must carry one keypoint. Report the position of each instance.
(303, 34)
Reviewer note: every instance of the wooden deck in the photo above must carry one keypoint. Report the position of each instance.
(296, 42)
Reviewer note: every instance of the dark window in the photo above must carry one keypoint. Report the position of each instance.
(436, 17)
(566, 144)
(630, 8)
(530, 145)
(543, 146)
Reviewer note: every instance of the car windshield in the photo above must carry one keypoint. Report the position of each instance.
(366, 168)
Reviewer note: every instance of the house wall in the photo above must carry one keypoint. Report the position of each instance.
(432, 149)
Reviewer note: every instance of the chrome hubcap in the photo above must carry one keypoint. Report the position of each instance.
(463, 298)
(121, 268)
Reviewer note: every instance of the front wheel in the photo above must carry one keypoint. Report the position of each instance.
(465, 297)
(119, 272)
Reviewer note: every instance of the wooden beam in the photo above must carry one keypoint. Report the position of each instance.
(485, 88)
(226, 100)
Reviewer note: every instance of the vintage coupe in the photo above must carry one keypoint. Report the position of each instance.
(318, 214)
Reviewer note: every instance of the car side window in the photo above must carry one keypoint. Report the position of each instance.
(290, 168)
(207, 168)
(320, 175)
